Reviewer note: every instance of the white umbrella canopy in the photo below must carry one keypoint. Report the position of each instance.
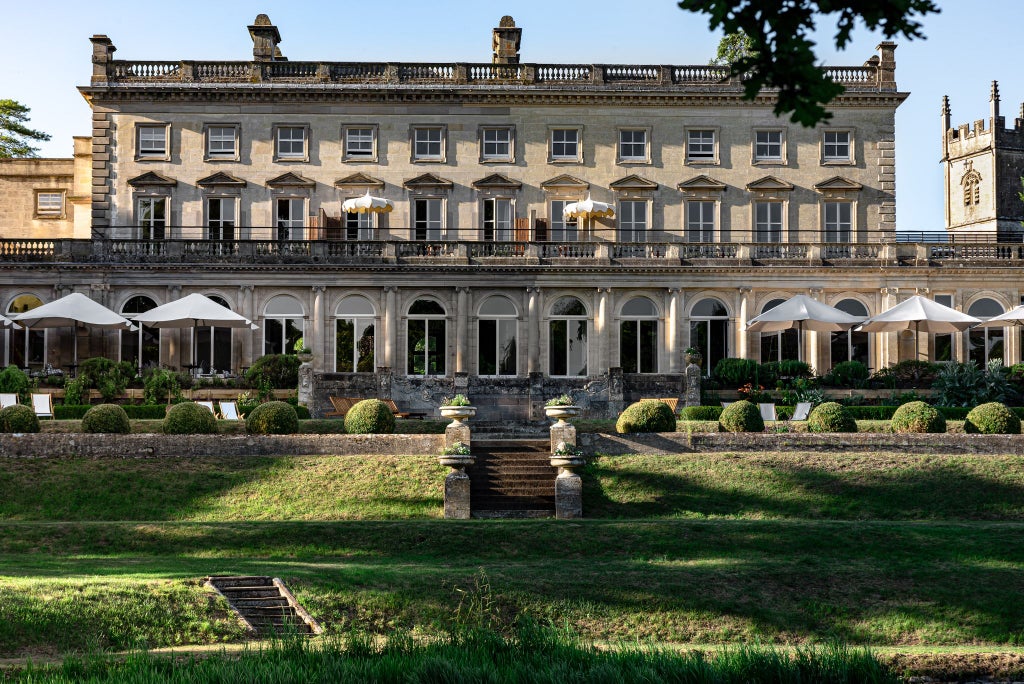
(4, 320)
(587, 208)
(71, 310)
(194, 310)
(921, 315)
(804, 313)
(1014, 316)
(367, 204)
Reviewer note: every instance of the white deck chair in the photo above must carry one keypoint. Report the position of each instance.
(802, 410)
(727, 404)
(42, 404)
(767, 412)
(209, 405)
(229, 410)
(8, 400)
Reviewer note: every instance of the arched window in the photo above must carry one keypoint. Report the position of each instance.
(985, 344)
(709, 328)
(638, 336)
(496, 336)
(780, 345)
(850, 345)
(567, 338)
(282, 324)
(141, 347)
(213, 345)
(27, 347)
(427, 342)
(354, 335)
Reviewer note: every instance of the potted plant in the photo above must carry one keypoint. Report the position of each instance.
(694, 356)
(567, 456)
(456, 456)
(458, 408)
(304, 353)
(561, 407)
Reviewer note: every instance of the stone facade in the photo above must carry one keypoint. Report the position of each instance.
(46, 199)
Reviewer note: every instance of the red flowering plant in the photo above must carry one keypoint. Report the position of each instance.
(754, 395)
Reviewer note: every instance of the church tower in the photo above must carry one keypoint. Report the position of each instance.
(983, 168)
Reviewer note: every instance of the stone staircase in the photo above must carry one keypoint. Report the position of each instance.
(511, 478)
(264, 604)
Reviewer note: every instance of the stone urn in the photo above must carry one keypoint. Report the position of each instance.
(566, 461)
(305, 357)
(560, 413)
(457, 414)
(457, 462)
(693, 359)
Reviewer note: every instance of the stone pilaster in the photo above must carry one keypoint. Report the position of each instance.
(316, 338)
(390, 325)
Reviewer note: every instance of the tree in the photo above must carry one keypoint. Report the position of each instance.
(782, 54)
(732, 48)
(14, 134)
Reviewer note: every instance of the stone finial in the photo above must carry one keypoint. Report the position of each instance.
(505, 42)
(265, 38)
(993, 99)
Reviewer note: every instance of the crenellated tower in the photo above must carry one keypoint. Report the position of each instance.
(984, 163)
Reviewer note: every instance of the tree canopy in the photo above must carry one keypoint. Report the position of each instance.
(732, 48)
(15, 136)
(782, 55)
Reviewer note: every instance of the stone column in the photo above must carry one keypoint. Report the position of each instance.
(533, 329)
(173, 336)
(813, 352)
(602, 300)
(672, 337)
(318, 325)
(745, 304)
(568, 485)
(461, 329)
(888, 343)
(247, 337)
(390, 325)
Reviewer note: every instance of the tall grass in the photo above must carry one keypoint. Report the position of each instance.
(531, 654)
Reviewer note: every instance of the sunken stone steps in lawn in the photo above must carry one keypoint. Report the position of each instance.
(264, 605)
(512, 479)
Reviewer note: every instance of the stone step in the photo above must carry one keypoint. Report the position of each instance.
(251, 593)
(506, 514)
(263, 604)
(222, 582)
(281, 602)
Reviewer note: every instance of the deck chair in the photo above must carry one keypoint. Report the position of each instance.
(42, 404)
(727, 404)
(399, 413)
(802, 410)
(767, 412)
(209, 405)
(672, 402)
(229, 410)
(341, 406)
(8, 400)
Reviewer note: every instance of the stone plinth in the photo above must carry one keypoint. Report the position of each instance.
(562, 432)
(457, 433)
(456, 495)
(692, 376)
(568, 496)
(305, 395)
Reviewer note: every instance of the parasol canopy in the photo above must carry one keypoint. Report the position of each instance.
(921, 315)
(803, 313)
(1014, 316)
(69, 311)
(587, 208)
(367, 204)
(194, 310)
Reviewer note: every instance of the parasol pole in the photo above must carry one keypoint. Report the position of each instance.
(800, 340)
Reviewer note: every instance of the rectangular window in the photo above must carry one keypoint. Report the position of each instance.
(427, 144)
(496, 144)
(291, 142)
(152, 141)
(563, 230)
(221, 217)
(50, 203)
(426, 347)
(638, 342)
(838, 221)
(291, 218)
(700, 221)
(565, 143)
(359, 143)
(633, 221)
(567, 347)
(221, 142)
(354, 345)
(497, 347)
(633, 145)
(358, 226)
(837, 146)
(426, 221)
(768, 146)
(700, 145)
(497, 219)
(152, 218)
(943, 341)
(768, 222)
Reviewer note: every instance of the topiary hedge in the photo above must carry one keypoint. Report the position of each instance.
(992, 419)
(370, 417)
(272, 418)
(917, 416)
(701, 412)
(134, 411)
(831, 417)
(189, 418)
(18, 418)
(741, 416)
(107, 419)
(646, 415)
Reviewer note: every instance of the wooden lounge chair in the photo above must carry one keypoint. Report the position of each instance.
(229, 410)
(209, 405)
(341, 406)
(8, 400)
(802, 410)
(673, 403)
(42, 404)
(399, 413)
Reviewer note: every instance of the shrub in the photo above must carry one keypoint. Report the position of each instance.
(14, 381)
(75, 391)
(189, 418)
(791, 368)
(992, 418)
(917, 416)
(18, 418)
(647, 415)
(161, 385)
(278, 371)
(273, 418)
(735, 372)
(964, 384)
(369, 417)
(848, 374)
(106, 418)
(109, 377)
(912, 373)
(831, 417)
(701, 412)
(741, 416)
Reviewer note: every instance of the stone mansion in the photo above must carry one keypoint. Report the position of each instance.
(228, 179)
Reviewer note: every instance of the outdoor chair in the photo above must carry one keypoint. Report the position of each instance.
(767, 412)
(8, 400)
(229, 410)
(802, 410)
(673, 403)
(42, 404)
(727, 404)
(341, 406)
(209, 405)
(399, 413)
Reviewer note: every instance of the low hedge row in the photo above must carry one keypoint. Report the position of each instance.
(856, 412)
(139, 411)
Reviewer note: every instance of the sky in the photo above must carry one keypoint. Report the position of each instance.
(967, 46)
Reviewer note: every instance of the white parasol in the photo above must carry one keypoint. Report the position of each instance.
(367, 204)
(71, 310)
(803, 313)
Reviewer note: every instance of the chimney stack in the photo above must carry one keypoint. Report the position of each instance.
(506, 42)
(265, 38)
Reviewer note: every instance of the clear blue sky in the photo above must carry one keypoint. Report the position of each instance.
(967, 46)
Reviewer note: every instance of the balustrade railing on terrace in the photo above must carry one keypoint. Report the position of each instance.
(456, 73)
(126, 244)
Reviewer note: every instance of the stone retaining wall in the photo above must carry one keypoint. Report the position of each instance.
(680, 442)
(47, 445)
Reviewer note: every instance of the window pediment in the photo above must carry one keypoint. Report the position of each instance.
(497, 180)
(151, 179)
(221, 179)
(428, 180)
(359, 180)
(838, 184)
(290, 180)
(702, 182)
(769, 184)
(633, 182)
(565, 182)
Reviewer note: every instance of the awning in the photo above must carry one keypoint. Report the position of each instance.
(367, 205)
(588, 208)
